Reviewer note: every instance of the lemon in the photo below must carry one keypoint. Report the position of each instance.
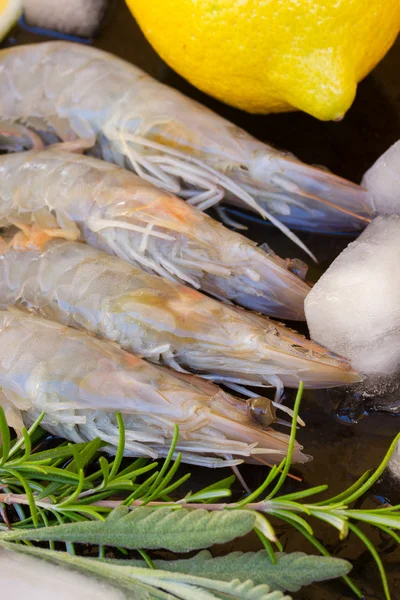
(272, 55)
(10, 11)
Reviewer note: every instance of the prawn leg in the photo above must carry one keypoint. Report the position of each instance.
(195, 172)
(79, 146)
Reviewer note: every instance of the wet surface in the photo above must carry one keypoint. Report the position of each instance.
(342, 450)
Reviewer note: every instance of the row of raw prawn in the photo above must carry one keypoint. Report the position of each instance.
(160, 320)
(79, 197)
(73, 196)
(80, 382)
(55, 193)
(73, 91)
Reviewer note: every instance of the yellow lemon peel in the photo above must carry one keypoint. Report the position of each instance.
(272, 55)
(10, 11)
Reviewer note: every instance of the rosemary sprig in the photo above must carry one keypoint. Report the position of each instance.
(58, 490)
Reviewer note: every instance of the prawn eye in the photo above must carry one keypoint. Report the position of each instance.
(262, 411)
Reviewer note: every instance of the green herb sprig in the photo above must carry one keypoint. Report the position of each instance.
(66, 504)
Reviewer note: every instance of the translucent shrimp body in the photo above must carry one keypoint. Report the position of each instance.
(170, 139)
(162, 321)
(77, 196)
(81, 382)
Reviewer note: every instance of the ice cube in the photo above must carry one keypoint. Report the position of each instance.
(382, 182)
(354, 309)
(79, 17)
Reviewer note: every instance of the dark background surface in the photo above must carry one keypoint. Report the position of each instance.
(341, 450)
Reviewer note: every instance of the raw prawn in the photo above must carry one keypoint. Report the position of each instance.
(171, 140)
(160, 320)
(78, 196)
(81, 382)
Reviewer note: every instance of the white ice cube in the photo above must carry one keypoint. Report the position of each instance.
(79, 17)
(382, 182)
(354, 309)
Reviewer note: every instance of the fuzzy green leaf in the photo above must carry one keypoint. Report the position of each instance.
(179, 530)
(290, 573)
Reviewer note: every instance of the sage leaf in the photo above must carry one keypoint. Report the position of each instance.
(290, 573)
(178, 530)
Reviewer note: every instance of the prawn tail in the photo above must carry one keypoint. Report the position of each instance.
(305, 197)
(15, 137)
(205, 186)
